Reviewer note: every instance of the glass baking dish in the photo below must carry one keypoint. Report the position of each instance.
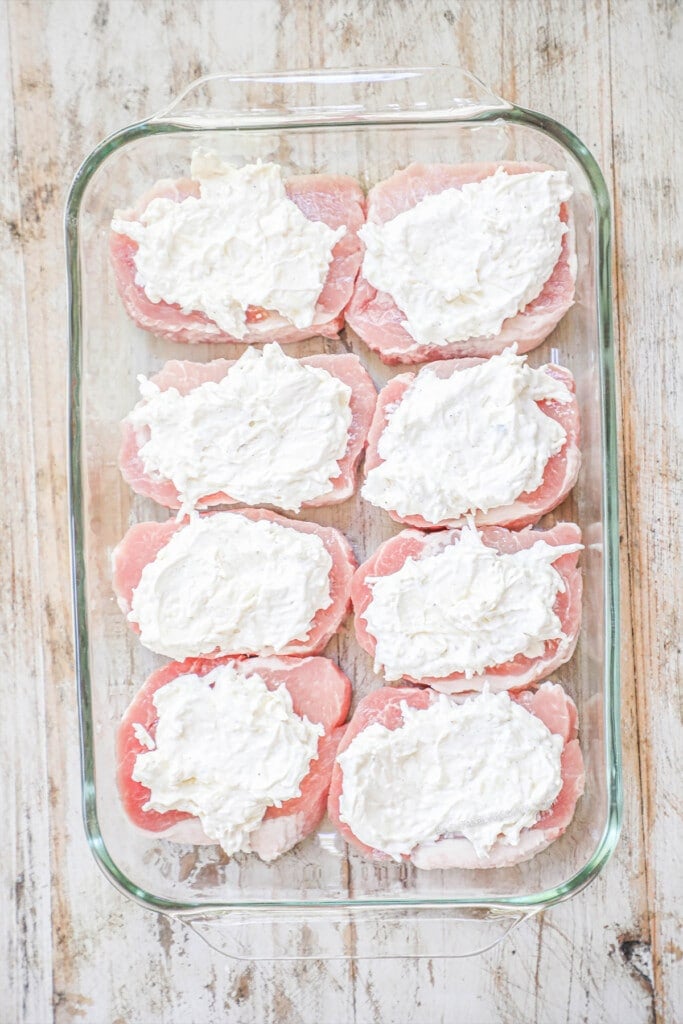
(321, 900)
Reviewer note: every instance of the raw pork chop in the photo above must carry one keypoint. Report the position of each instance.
(549, 703)
(561, 469)
(515, 674)
(185, 376)
(319, 690)
(376, 318)
(335, 199)
(143, 542)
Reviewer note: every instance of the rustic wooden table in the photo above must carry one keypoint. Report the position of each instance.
(73, 71)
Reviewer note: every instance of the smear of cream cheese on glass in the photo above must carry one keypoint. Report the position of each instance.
(472, 441)
(459, 263)
(241, 243)
(482, 769)
(465, 608)
(226, 582)
(226, 748)
(271, 431)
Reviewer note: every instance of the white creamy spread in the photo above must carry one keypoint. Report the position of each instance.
(142, 736)
(271, 431)
(483, 769)
(225, 582)
(473, 441)
(241, 243)
(226, 748)
(459, 263)
(465, 608)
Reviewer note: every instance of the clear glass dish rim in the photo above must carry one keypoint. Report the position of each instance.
(504, 111)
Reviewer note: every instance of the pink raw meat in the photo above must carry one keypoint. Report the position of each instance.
(549, 703)
(560, 472)
(185, 376)
(143, 542)
(376, 318)
(515, 674)
(334, 199)
(319, 690)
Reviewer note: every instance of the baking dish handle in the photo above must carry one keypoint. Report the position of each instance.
(353, 932)
(335, 95)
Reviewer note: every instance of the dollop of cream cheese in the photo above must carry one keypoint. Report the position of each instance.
(465, 608)
(228, 583)
(241, 243)
(226, 748)
(472, 441)
(271, 431)
(459, 263)
(484, 769)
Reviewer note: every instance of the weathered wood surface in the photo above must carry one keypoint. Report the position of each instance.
(73, 71)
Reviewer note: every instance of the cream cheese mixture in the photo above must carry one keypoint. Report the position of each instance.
(241, 243)
(481, 769)
(460, 262)
(226, 748)
(225, 582)
(465, 608)
(272, 431)
(474, 440)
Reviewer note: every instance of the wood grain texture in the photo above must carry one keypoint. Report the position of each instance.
(647, 189)
(71, 72)
(25, 944)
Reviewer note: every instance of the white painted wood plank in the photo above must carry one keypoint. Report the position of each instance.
(25, 932)
(647, 89)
